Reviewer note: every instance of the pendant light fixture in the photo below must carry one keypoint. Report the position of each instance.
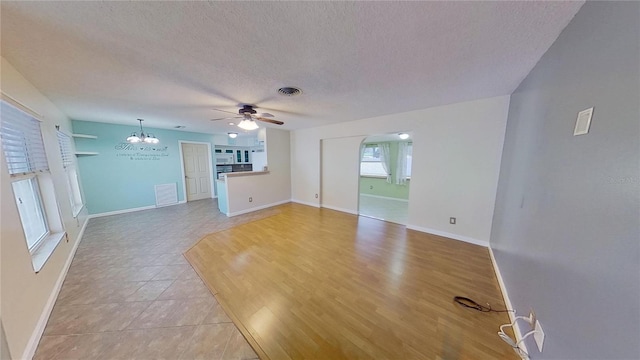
(145, 138)
(233, 135)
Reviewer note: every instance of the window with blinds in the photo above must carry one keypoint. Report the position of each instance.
(31, 181)
(66, 150)
(22, 141)
(73, 183)
(25, 156)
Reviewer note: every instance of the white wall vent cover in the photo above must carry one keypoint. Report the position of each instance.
(584, 122)
(166, 194)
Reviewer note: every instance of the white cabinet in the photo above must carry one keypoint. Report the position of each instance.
(243, 155)
(233, 154)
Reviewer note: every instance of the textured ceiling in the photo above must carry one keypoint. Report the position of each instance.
(171, 63)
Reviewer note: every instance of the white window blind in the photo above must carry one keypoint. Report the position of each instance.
(21, 141)
(66, 151)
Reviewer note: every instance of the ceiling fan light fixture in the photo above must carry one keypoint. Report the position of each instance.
(403, 136)
(248, 124)
(232, 135)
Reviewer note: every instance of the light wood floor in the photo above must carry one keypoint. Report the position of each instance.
(320, 284)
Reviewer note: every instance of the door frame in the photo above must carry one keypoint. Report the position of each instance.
(211, 165)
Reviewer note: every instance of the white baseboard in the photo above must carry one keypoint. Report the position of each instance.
(507, 301)
(124, 211)
(34, 340)
(449, 235)
(316, 205)
(384, 197)
(261, 207)
(339, 209)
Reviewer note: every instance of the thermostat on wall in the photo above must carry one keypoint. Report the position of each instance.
(583, 122)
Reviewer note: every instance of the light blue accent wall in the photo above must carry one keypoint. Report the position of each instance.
(122, 176)
(566, 228)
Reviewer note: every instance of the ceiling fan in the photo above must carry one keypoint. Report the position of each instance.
(249, 115)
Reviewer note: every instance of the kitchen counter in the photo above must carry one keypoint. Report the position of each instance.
(223, 191)
(245, 173)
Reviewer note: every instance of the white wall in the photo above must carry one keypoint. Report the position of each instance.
(27, 297)
(268, 189)
(456, 161)
(340, 173)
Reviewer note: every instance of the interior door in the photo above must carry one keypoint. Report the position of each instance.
(197, 171)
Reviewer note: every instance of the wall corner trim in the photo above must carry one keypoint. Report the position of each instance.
(467, 239)
(32, 345)
(507, 301)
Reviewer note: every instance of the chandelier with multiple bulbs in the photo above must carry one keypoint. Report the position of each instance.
(145, 138)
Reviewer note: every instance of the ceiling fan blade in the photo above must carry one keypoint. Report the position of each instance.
(264, 115)
(272, 121)
(230, 112)
(226, 118)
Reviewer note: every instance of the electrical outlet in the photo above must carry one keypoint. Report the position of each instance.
(452, 220)
(538, 335)
(316, 196)
(250, 199)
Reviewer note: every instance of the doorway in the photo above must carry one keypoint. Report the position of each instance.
(385, 177)
(196, 167)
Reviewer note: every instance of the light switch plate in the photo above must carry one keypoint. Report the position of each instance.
(583, 122)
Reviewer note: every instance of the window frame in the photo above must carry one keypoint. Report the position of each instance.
(27, 139)
(74, 188)
(37, 194)
(382, 174)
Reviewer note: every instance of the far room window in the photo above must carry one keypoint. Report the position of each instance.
(371, 162)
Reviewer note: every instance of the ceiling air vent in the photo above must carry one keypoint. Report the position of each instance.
(289, 91)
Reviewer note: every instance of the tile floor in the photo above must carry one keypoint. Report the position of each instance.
(395, 211)
(130, 294)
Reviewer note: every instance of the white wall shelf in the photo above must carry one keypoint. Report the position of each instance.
(82, 153)
(84, 136)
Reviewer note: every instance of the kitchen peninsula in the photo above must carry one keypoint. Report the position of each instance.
(230, 189)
